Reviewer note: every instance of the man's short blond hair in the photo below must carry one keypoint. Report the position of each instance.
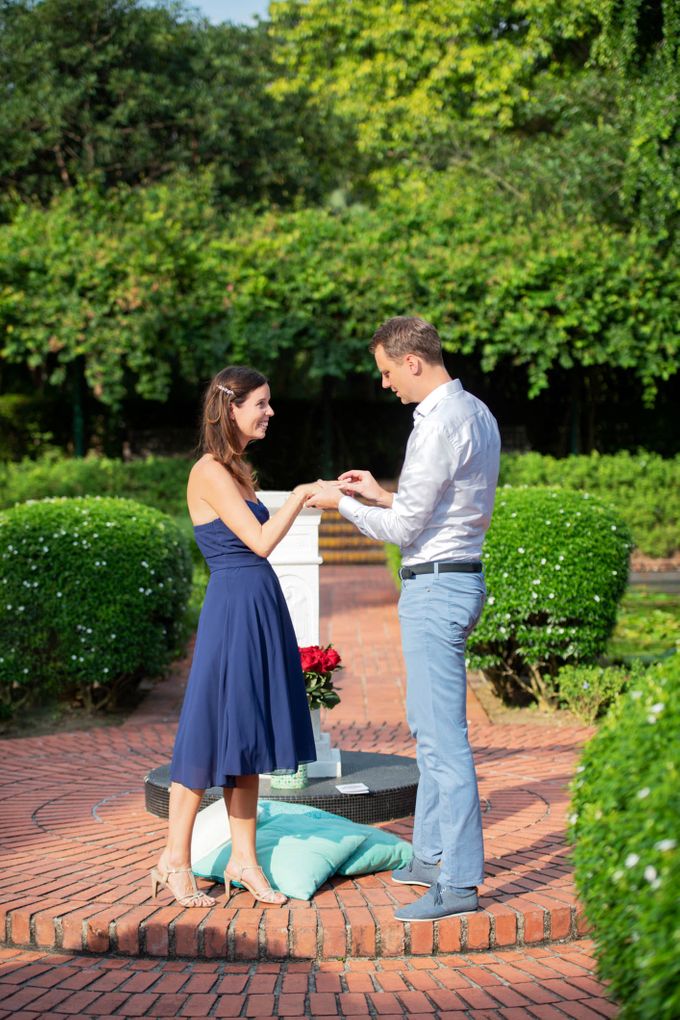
(407, 334)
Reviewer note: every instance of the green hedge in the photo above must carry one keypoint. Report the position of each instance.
(643, 487)
(93, 593)
(626, 830)
(556, 566)
(159, 482)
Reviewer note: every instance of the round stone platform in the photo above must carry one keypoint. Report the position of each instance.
(392, 781)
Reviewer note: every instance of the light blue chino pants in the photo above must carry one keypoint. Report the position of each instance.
(437, 613)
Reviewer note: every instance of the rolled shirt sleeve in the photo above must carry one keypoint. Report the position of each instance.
(429, 468)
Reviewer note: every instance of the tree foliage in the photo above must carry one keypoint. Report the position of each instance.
(149, 284)
(119, 91)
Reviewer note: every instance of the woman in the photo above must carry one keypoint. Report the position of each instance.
(245, 709)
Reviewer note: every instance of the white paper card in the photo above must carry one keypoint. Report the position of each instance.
(352, 788)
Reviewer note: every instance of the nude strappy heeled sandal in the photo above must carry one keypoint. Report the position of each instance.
(159, 877)
(267, 895)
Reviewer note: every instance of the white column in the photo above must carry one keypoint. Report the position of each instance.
(296, 561)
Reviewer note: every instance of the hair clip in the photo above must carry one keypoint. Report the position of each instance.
(225, 389)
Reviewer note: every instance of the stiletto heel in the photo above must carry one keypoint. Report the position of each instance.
(155, 882)
(227, 888)
(266, 895)
(195, 898)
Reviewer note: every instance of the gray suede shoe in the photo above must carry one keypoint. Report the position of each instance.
(417, 872)
(437, 903)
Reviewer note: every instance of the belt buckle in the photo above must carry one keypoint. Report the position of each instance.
(406, 574)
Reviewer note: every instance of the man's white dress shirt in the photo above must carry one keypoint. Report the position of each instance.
(443, 506)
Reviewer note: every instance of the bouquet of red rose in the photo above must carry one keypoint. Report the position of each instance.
(317, 665)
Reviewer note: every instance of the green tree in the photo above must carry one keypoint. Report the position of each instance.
(120, 91)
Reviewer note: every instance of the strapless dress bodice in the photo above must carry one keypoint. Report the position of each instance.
(222, 549)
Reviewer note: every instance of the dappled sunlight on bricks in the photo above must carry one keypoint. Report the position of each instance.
(78, 843)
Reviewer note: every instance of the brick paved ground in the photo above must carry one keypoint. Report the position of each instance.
(542, 983)
(77, 846)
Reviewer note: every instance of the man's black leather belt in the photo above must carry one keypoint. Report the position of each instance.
(472, 567)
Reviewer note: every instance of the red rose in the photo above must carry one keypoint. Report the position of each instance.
(331, 659)
(311, 659)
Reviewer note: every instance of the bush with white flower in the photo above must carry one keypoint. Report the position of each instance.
(556, 566)
(92, 597)
(626, 831)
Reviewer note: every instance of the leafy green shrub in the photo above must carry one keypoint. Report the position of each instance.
(92, 596)
(157, 481)
(643, 487)
(648, 626)
(626, 801)
(587, 690)
(556, 565)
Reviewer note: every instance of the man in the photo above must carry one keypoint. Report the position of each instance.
(438, 518)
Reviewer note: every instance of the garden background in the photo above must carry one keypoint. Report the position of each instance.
(176, 195)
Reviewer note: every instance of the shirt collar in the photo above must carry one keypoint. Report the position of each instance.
(436, 396)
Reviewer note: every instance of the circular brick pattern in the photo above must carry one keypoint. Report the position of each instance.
(78, 844)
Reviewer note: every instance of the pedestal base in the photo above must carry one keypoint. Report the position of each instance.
(391, 779)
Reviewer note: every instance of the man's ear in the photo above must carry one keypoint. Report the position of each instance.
(414, 364)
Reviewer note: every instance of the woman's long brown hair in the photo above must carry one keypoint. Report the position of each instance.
(219, 433)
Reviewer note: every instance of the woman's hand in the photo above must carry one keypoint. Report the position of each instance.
(326, 496)
(305, 490)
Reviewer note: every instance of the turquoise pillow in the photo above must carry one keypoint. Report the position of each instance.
(296, 853)
(380, 851)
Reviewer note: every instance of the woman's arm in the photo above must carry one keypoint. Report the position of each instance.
(217, 488)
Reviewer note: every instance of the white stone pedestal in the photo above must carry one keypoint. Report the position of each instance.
(296, 561)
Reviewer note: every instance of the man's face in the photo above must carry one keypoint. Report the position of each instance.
(396, 375)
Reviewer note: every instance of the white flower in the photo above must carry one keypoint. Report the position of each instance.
(573, 818)
(585, 685)
(631, 860)
(596, 597)
(536, 581)
(658, 707)
(644, 792)
(543, 561)
(635, 695)
(520, 550)
(551, 595)
(490, 599)
(557, 566)
(618, 875)
(650, 873)
(613, 527)
(665, 844)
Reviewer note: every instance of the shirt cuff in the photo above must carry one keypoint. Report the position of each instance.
(350, 508)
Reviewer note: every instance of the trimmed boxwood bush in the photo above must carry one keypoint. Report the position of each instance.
(556, 565)
(92, 597)
(626, 829)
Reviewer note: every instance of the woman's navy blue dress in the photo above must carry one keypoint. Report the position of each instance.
(245, 708)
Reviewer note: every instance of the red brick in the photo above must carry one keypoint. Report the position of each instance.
(415, 1002)
(322, 1004)
(353, 1004)
(478, 929)
(245, 933)
(303, 934)
(449, 935)
(534, 926)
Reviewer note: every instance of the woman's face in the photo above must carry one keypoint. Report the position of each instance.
(252, 417)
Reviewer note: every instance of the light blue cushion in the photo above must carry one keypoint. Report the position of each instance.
(380, 851)
(297, 854)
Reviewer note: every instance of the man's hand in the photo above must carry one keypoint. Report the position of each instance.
(362, 483)
(327, 496)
